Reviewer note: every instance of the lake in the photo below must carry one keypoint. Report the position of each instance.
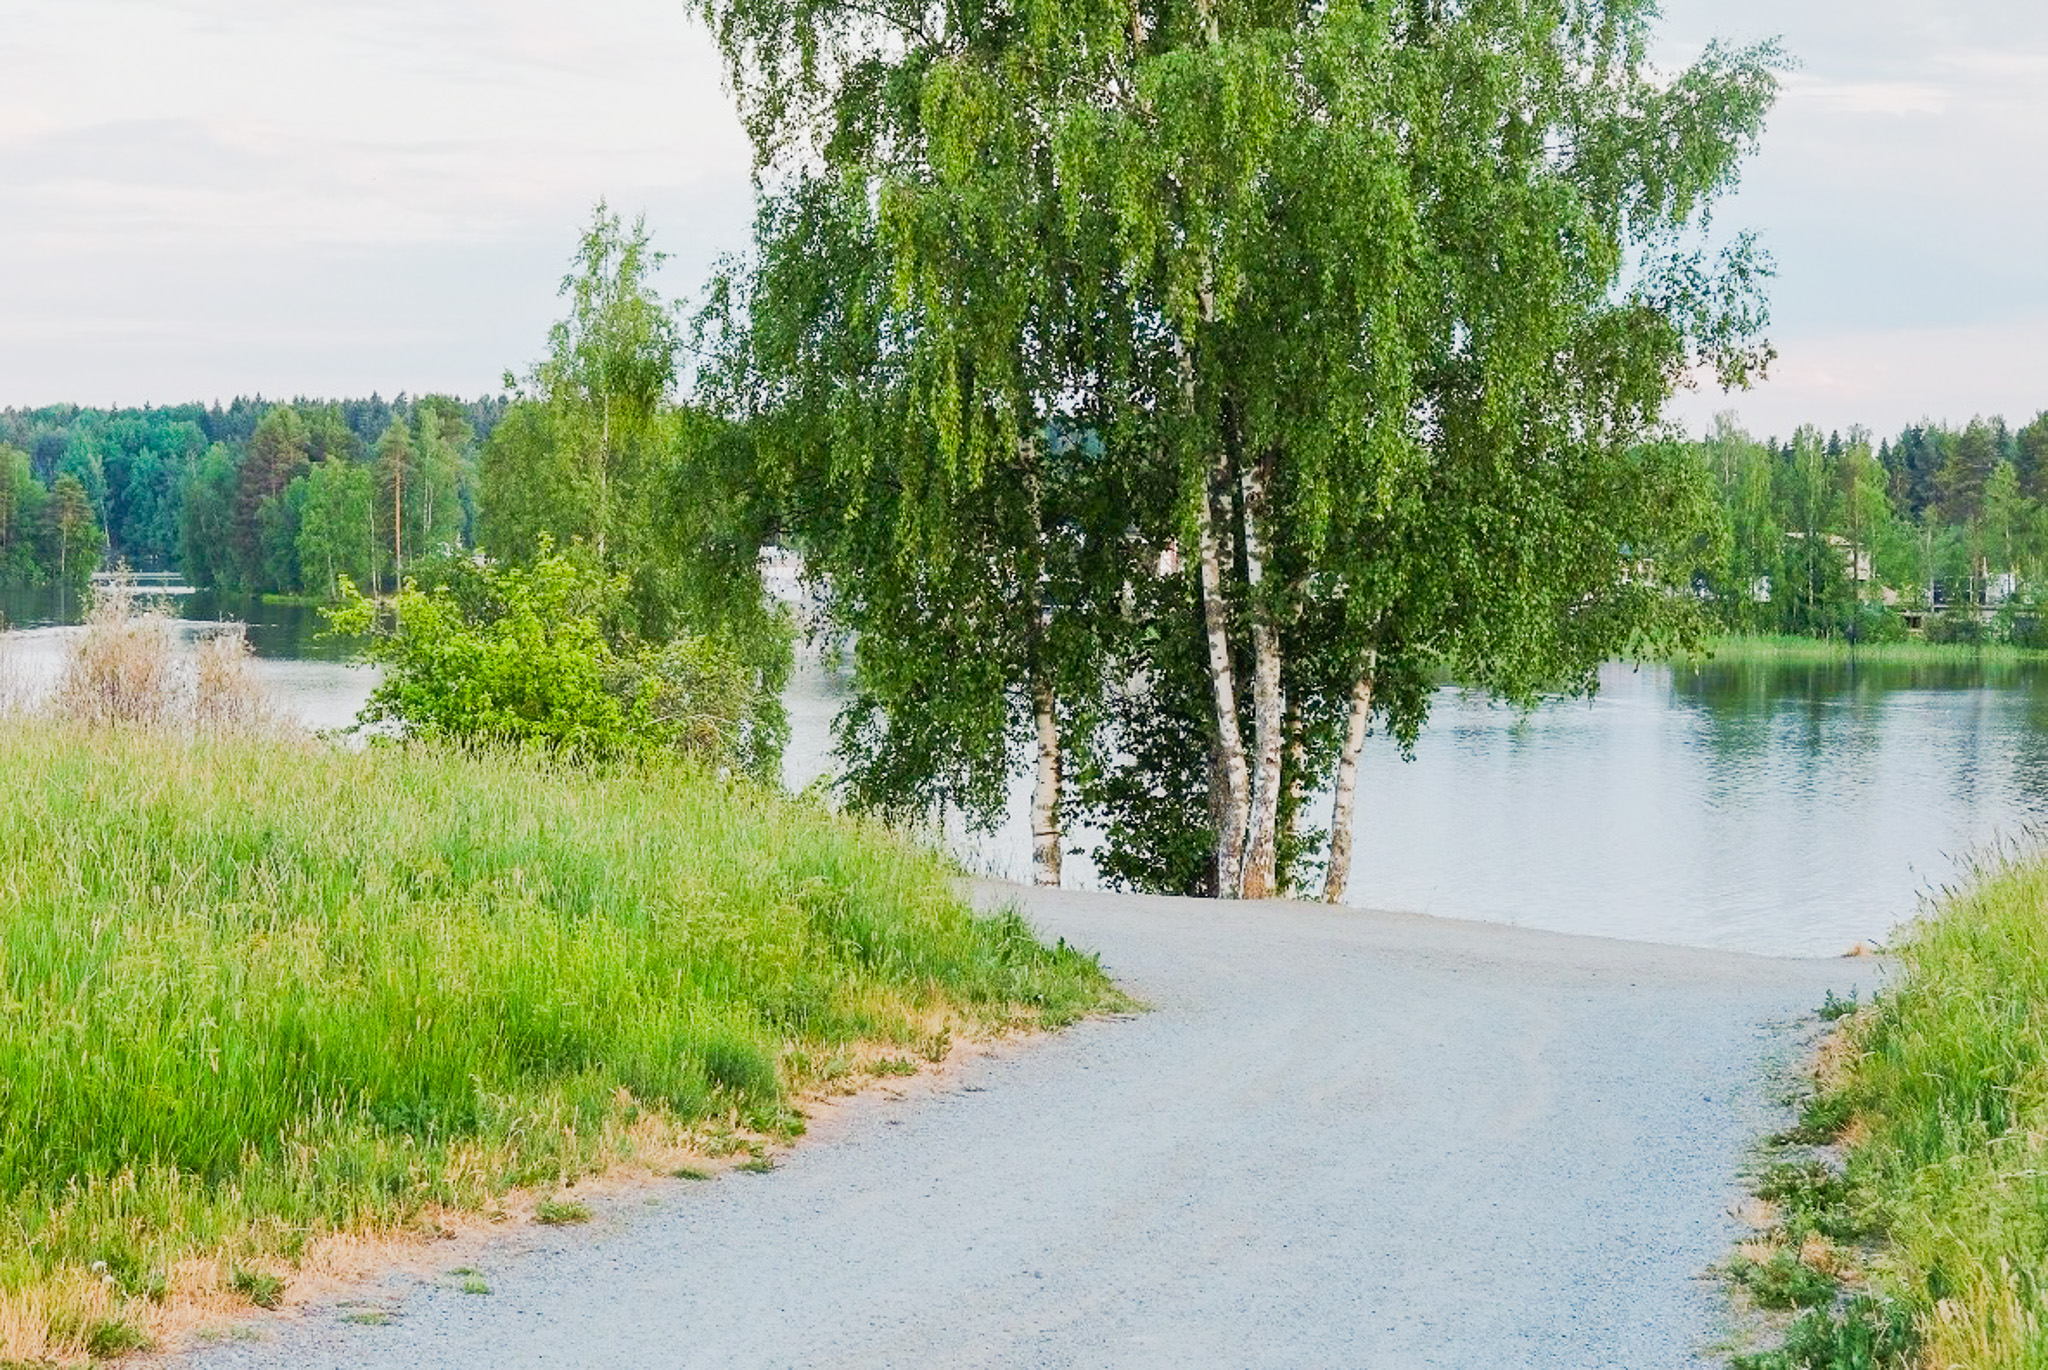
(1757, 807)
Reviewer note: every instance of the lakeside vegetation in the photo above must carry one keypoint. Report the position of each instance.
(261, 990)
(1792, 649)
(256, 496)
(1913, 1195)
(1843, 537)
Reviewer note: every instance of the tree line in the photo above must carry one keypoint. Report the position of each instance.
(254, 497)
(1836, 536)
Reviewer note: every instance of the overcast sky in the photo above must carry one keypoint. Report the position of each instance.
(200, 198)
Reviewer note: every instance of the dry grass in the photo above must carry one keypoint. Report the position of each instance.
(128, 669)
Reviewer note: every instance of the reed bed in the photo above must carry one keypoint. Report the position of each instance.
(1794, 650)
(259, 990)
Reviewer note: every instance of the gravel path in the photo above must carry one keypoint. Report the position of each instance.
(1338, 1139)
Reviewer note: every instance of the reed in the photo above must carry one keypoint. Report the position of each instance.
(1793, 650)
(260, 989)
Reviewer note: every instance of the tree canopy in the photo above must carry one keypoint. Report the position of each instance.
(1169, 387)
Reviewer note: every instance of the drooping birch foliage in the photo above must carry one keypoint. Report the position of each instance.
(1179, 383)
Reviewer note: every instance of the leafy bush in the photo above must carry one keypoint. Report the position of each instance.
(1958, 626)
(521, 656)
(1874, 623)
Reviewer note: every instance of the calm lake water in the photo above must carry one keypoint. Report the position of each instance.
(1783, 809)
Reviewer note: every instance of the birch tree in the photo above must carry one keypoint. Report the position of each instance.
(1372, 307)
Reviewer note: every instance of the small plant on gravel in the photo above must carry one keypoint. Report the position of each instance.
(1869, 1333)
(1816, 1197)
(1783, 1280)
(1822, 1119)
(111, 1337)
(1825, 1218)
(368, 1317)
(558, 1212)
(474, 1284)
(259, 1287)
(760, 1165)
(690, 1172)
(1834, 1010)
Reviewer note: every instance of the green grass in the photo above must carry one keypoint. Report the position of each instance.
(1942, 1114)
(560, 1212)
(257, 992)
(261, 1288)
(1793, 650)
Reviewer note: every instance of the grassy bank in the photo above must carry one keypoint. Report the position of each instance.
(1790, 650)
(259, 992)
(1926, 1210)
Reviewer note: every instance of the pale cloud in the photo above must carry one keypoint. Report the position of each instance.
(199, 197)
(1867, 97)
(1885, 379)
(1899, 190)
(286, 186)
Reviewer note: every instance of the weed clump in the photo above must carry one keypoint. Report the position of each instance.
(561, 1212)
(259, 1287)
(126, 668)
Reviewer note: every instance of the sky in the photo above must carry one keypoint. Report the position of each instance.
(204, 198)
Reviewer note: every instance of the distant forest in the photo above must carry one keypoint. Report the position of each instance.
(1836, 535)
(1824, 534)
(259, 496)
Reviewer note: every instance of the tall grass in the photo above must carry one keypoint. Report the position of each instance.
(1943, 1106)
(1795, 650)
(256, 990)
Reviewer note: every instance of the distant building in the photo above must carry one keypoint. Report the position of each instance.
(1855, 560)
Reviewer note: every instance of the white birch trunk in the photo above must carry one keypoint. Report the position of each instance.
(1045, 789)
(1342, 808)
(1231, 806)
(1269, 732)
(1296, 756)
(1223, 687)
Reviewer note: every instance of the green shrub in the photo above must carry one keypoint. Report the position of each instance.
(1959, 626)
(522, 656)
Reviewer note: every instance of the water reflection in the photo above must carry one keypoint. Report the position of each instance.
(1796, 810)
(1767, 808)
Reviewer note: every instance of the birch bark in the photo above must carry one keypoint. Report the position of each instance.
(1269, 734)
(1343, 806)
(1230, 828)
(1214, 552)
(1045, 790)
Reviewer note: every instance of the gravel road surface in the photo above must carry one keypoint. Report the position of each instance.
(1337, 1139)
